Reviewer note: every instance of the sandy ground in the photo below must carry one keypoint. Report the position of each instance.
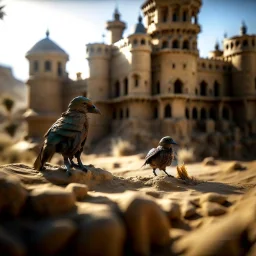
(214, 203)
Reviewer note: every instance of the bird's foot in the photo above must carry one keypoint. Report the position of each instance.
(83, 168)
(170, 175)
(74, 165)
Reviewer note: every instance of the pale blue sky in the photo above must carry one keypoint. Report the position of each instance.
(74, 23)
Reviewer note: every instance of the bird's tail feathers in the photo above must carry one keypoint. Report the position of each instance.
(38, 161)
(46, 154)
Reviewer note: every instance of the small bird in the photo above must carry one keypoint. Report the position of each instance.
(161, 156)
(67, 135)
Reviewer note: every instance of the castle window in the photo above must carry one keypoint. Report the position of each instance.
(203, 88)
(135, 42)
(212, 114)
(245, 43)
(175, 15)
(165, 14)
(185, 16)
(47, 66)
(136, 80)
(184, 66)
(185, 45)
(127, 113)
(237, 43)
(59, 69)
(203, 114)
(227, 47)
(173, 66)
(175, 44)
(36, 66)
(231, 45)
(225, 113)
(143, 42)
(126, 86)
(178, 86)
(114, 115)
(187, 113)
(99, 49)
(155, 113)
(164, 44)
(203, 65)
(216, 89)
(168, 111)
(121, 114)
(194, 18)
(117, 89)
(194, 113)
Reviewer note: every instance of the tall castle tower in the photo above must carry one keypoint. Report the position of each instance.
(116, 28)
(47, 71)
(173, 27)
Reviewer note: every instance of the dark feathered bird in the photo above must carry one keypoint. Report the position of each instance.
(161, 156)
(68, 134)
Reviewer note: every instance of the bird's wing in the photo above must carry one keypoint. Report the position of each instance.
(68, 125)
(152, 152)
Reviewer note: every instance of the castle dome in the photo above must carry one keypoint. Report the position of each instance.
(45, 46)
(139, 27)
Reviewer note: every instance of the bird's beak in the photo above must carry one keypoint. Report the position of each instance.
(173, 142)
(94, 110)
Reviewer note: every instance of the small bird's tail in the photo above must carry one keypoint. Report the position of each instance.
(46, 153)
(38, 161)
(143, 164)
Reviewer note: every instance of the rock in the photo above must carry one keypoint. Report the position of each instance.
(116, 165)
(10, 246)
(171, 208)
(188, 209)
(213, 209)
(48, 202)
(101, 232)
(12, 195)
(79, 190)
(147, 225)
(209, 161)
(236, 166)
(51, 237)
(213, 197)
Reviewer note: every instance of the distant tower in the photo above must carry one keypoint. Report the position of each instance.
(115, 28)
(243, 29)
(140, 71)
(47, 71)
(217, 52)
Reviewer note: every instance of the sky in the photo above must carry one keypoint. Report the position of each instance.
(74, 23)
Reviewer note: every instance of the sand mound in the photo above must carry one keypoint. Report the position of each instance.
(97, 213)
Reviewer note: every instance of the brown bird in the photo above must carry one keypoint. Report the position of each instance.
(161, 156)
(67, 135)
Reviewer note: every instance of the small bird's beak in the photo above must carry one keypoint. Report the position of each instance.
(94, 110)
(173, 142)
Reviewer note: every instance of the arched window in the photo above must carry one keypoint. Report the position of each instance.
(175, 16)
(168, 111)
(185, 16)
(203, 114)
(136, 80)
(127, 113)
(216, 89)
(59, 69)
(194, 113)
(126, 86)
(178, 86)
(155, 113)
(143, 41)
(121, 114)
(175, 44)
(185, 45)
(47, 66)
(203, 88)
(135, 42)
(117, 89)
(36, 66)
(213, 114)
(225, 113)
(245, 43)
(187, 113)
(114, 115)
(158, 88)
(164, 44)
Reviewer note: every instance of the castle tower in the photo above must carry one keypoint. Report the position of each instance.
(47, 71)
(140, 67)
(173, 27)
(216, 53)
(115, 28)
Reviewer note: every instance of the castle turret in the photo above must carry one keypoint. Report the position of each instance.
(116, 28)
(140, 67)
(216, 53)
(47, 70)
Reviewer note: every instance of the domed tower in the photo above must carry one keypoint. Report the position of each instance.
(173, 27)
(47, 71)
(140, 69)
(216, 53)
(241, 50)
(115, 28)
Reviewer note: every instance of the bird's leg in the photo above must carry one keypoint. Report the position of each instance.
(167, 173)
(79, 161)
(72, 162)
(68, 166)
(154, 171)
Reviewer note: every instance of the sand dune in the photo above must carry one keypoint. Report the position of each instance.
(128, 211)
